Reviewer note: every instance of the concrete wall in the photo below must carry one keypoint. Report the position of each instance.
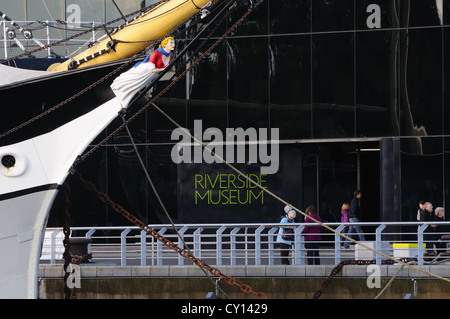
(278, 282)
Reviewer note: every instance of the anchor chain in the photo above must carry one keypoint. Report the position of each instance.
(85, 90)
(339, 267)
(70, 293)
(168, 243)
(69, 258)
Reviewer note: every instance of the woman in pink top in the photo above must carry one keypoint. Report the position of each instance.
(312, 236)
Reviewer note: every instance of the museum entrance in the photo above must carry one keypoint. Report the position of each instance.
(332, 171)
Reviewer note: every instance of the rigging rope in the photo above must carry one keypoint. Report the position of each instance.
(185, 253)
(170, 85)
(148, 8)
(264, 189)
(160, 200)
(151, 102)
(131, 60)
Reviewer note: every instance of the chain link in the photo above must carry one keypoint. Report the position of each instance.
(88, 88)
(170, 85)
(339, 267)
(168, 243)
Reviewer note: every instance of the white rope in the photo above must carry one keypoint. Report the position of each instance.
(204, 145)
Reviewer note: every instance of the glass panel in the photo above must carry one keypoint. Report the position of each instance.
(255, 23)
(333, 85)
(337, 180)
(446, 174)
(332, 15)
(92, 10)
(16, 10)
(446, 70)
(207, 89)
(309, 179)
(376, 84)
(289, 16)
(248, 82)
(125, 6)
(376, 14)
(422, 175)
(45, 10)
(421, 90)
(290, 86)
(416, 13)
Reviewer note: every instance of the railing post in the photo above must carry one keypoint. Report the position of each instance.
(53, 245)
(159, 248)
(299, 246)
(143, 248)
(272, 240)
(123, 247)
(258, 245)
(181, 245)
(233, 245)
(337, 244)
(219, 233)
(420, 250)
(197, 243)
(5, 39)
(89, 236)
(49, 50)
(378, 243)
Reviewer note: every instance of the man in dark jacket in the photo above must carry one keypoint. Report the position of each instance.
(427, 215)
(354, 214)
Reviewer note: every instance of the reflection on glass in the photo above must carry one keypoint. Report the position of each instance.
(248, 82)
(332, 15)
(333, 85)
(422, 175)
(16, 10)
(289, 16)
(38, 10)
(376, 84)
(290, 86)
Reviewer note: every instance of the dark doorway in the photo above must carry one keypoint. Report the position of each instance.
(369, 181)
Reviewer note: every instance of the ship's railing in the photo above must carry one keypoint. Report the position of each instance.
(45, 33)
(248, 244)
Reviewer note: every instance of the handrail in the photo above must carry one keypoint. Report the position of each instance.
(240, 243)
(43, 34)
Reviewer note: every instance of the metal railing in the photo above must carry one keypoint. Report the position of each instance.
(44, 33)
(246, 244)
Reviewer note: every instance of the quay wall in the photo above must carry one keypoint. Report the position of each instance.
(278, 282)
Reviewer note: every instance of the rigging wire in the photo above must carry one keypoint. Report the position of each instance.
(239, 172)
(122, 115)
(149, 8)
(88, 88)
(204, 145)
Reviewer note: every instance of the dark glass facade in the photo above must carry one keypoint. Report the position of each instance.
(357, 89)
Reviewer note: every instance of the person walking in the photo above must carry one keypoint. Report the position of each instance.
(427, 215)
(344, 218)
(286, 242)
(312, 236)
(354, 214)
(438, 230)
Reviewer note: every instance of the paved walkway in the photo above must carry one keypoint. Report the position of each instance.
(96, 271)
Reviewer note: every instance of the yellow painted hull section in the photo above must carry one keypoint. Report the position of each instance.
(142, 32)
